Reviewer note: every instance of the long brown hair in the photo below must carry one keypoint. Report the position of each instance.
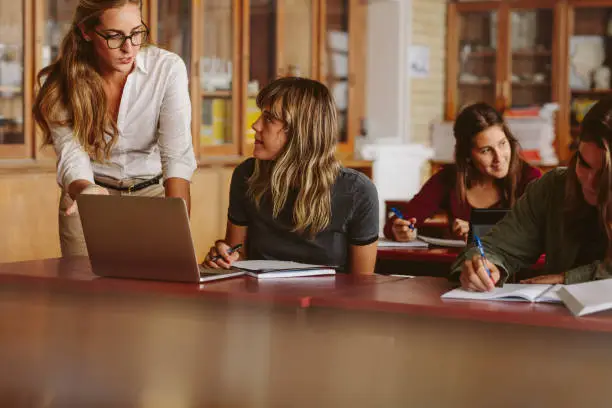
(71, 91)
(471, 121)
(596, 128)
(307, 163)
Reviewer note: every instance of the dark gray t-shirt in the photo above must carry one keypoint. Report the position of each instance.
(354, 221)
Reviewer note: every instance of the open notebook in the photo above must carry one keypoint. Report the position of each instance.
(511, 292)
(451, 243)
(388, 243)
(589, 297)
(264, 269)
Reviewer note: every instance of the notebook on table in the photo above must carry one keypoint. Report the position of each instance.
(586, 298)
(511, 292)
(450, 243)
(270, 269)
(388, 243)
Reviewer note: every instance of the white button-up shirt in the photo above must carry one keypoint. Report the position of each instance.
(154, 124)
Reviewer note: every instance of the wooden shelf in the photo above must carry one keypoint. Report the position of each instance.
(531, 85)
(10, 89)
(591, 92)
(217, 94)
(482, 54)
(531, 53)
(475, 83)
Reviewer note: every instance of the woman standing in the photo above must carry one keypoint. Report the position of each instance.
(117, 112)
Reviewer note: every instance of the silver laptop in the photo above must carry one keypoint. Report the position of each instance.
(142, 238)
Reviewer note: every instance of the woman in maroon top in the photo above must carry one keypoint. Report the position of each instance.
(488, 173)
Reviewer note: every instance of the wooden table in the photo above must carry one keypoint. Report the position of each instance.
(415, 261)
(433, 261)
(70, 339)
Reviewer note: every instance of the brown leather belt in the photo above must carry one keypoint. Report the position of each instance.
(133, 187)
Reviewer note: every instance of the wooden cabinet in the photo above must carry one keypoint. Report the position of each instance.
(589, 27)
(236, 47)
(502, 53)
(15, 79)
(232, 49)
(511, 54)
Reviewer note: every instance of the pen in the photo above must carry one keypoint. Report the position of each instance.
(482, 255)
(399, 215)
(229, 252)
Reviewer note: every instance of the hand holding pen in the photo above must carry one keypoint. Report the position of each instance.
(478, 274)
(222, 255)
(403, 230)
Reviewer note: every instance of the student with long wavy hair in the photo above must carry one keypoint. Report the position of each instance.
(294, 201)
(567, 215)
(488, 173)
(117, 112)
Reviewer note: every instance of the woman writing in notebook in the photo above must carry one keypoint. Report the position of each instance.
(488, 173)
(294, 201)
(116, 111)
(567, 215)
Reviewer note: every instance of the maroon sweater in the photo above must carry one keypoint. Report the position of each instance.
(439, 195)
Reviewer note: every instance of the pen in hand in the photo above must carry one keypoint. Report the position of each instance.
(482, 256)
(399, 215)
(229, 252)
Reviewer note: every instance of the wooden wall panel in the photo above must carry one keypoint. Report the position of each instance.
(29, 206)
(28, 217)
(205, 210)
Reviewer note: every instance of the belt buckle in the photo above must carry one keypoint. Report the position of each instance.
(130, 189)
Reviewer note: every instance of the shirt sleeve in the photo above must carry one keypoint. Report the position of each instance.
(237, 211)
(427, 202)
(175, 143)
(73, 163)
(363, 225)
(517, 241)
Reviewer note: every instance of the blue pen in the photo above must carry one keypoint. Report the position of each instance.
(399, 215)
(482, 255)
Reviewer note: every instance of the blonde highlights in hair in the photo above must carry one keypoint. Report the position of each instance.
(71, 91)
(307, 164)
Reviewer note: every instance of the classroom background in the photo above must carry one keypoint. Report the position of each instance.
(399, 71)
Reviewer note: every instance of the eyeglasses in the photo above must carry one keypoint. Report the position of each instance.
(117, 40)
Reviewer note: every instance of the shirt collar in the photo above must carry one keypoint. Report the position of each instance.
(140, 63)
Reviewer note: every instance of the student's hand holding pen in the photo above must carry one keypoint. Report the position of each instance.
(474, 275)
(221, 255)
(403, 229)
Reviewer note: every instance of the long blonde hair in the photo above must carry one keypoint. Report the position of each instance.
(596, 128)
(307, 163)
(71, 91)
